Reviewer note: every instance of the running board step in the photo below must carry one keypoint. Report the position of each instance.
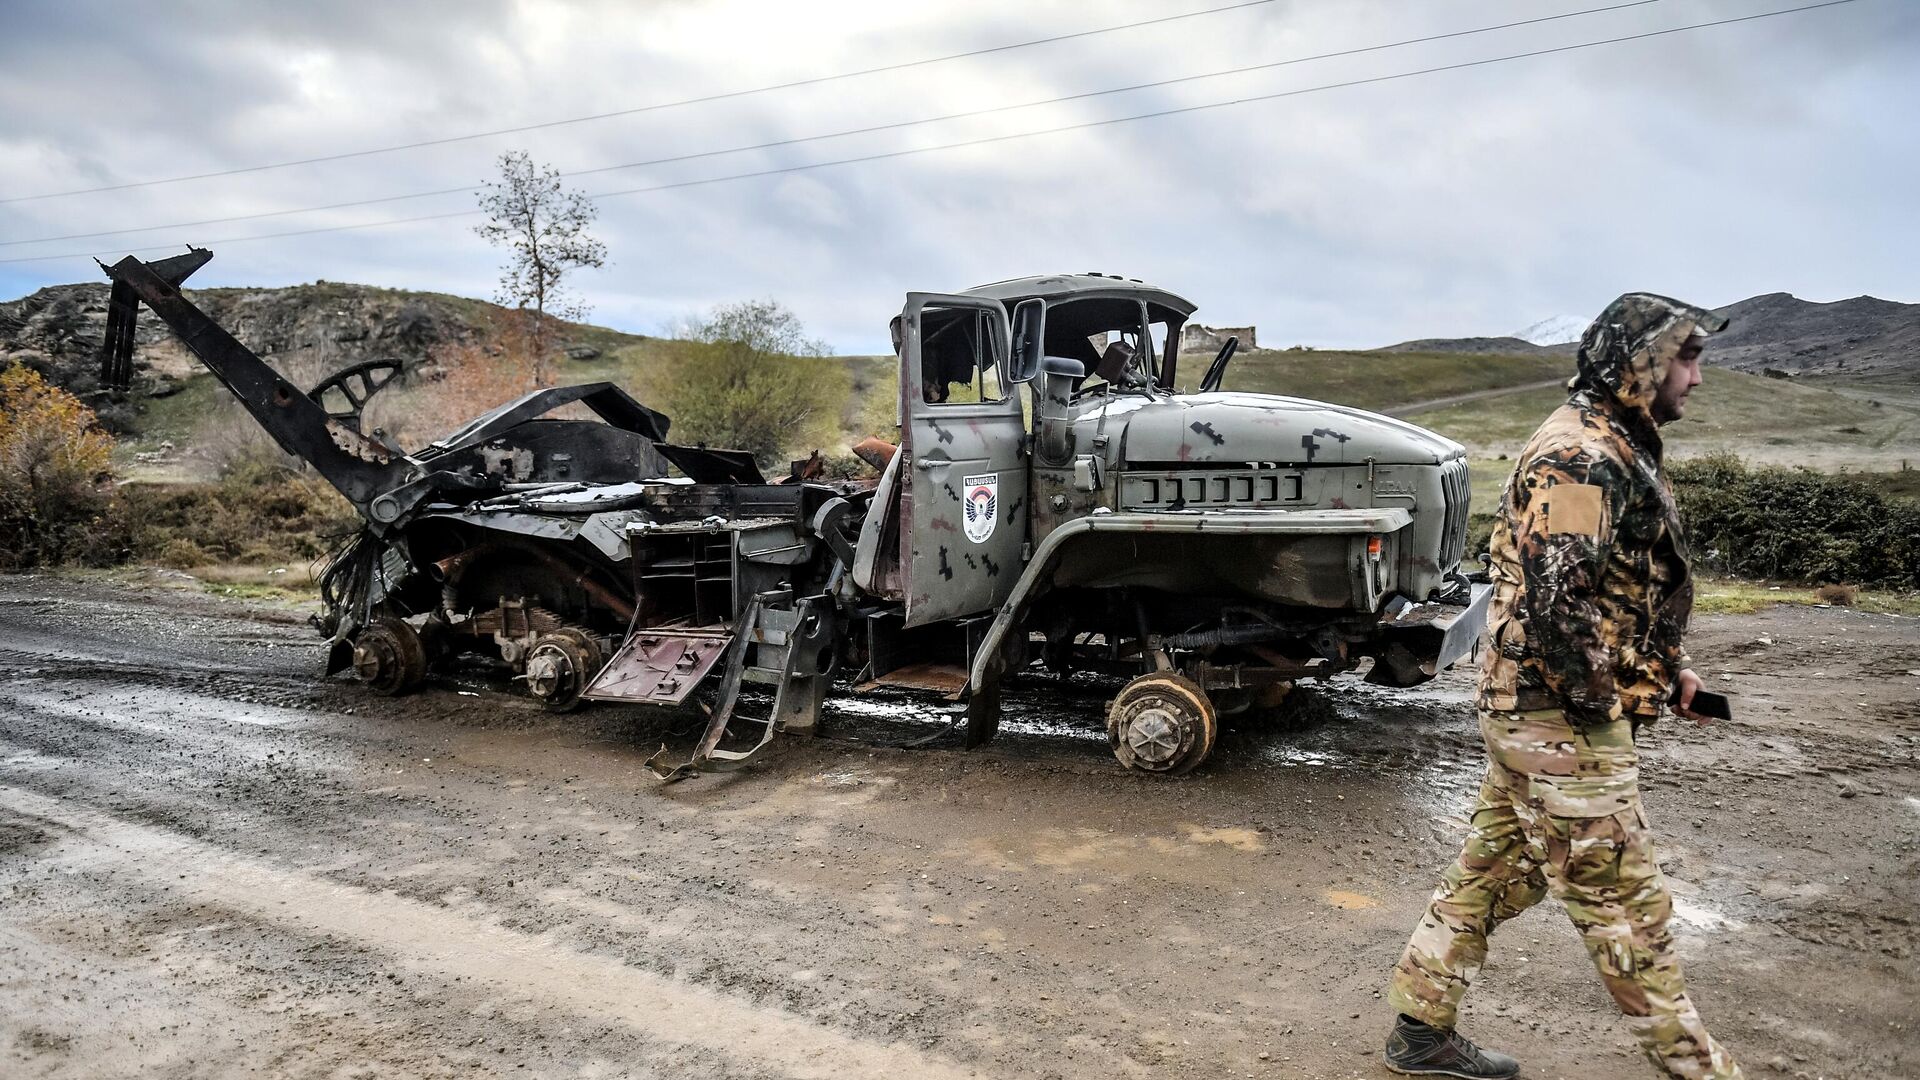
(780, 642)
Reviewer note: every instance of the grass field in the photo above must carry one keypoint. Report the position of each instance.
(1377, 380)
(1763, 420)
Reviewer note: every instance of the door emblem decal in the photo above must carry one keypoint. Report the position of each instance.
(982, 502)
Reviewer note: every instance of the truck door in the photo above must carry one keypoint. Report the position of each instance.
(964, 511)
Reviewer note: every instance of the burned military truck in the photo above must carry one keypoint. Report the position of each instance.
(1203, 549)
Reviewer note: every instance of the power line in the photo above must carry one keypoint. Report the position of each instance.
(281, 213)
(722, 96)
(872, 129)
(1082, 126)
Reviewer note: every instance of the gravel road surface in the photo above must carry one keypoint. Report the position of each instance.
(214, 863)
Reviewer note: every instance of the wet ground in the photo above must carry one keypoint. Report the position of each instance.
(215, 863)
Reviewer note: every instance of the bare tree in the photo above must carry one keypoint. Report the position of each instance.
(543, 226)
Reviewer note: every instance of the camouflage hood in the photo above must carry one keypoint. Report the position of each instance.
(1625, 353)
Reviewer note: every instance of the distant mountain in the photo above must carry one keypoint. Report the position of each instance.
(1554, 330)
(1499, 346)
(1864, 337)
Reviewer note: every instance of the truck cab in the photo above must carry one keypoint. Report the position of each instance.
(1058, 493)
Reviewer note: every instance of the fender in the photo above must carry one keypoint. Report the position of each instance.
(988, 662)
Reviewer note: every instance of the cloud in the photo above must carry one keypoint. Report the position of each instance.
(1711, 165)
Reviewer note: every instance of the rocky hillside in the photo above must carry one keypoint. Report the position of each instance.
(1777, 334)
(305, 331)
(1864, 337)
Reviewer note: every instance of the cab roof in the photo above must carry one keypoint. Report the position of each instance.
(1059, 288)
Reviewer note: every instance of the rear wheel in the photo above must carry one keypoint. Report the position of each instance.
(1161, 723)
(560, 665)
(388, 656)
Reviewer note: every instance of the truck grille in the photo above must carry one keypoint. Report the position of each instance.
(1454, 487)
(1191, 490)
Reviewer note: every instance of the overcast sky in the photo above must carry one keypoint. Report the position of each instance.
(1774, 155)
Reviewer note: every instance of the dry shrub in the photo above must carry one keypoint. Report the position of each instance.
(56, 476)
(256, 513)
(463, 379)
(229, 440)
(1838, 595)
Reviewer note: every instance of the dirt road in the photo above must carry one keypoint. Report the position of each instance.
(1477, 395)
(215, 863)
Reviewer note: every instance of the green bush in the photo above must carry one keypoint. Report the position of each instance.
(752, 380)
(1796, 524)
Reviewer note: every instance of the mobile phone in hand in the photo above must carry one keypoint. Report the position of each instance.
(1707, 703)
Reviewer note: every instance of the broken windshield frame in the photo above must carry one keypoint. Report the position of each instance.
(1072, 330)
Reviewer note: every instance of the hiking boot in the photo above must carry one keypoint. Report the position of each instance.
(1415, 1049)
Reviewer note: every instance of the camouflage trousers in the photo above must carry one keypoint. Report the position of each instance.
(1560, 812)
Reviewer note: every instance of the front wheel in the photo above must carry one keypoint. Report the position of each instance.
(1161, 723)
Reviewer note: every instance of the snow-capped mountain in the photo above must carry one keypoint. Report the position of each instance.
(1554, 330)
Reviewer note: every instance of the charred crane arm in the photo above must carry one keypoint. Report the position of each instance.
(353, 387)
(362, 469)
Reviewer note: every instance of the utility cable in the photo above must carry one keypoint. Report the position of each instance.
(989, 140)
(656, 107)
(872, 129)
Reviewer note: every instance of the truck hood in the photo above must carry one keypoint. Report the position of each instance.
(1228, 427)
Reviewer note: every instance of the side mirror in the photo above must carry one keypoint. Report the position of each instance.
(1029, 340)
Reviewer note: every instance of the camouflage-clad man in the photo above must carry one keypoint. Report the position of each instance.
(1591, 596)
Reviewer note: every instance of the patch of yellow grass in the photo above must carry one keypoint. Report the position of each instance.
(1729, 596)
(284, 579)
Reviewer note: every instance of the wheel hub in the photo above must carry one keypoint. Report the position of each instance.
(372, 654)
(559, 666)
(548, 670)
(1154, 735)
(1161, 722)
(388, 657)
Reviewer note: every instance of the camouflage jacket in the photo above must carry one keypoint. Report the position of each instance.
(1589, 563)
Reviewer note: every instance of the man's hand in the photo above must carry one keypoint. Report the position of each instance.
(1685, 685)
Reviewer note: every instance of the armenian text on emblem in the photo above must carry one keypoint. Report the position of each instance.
(982, 504)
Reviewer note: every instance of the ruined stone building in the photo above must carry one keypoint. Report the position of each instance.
(1195, 338)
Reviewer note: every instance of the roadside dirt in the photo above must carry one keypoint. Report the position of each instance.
(1477, 395)
(213, 863)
